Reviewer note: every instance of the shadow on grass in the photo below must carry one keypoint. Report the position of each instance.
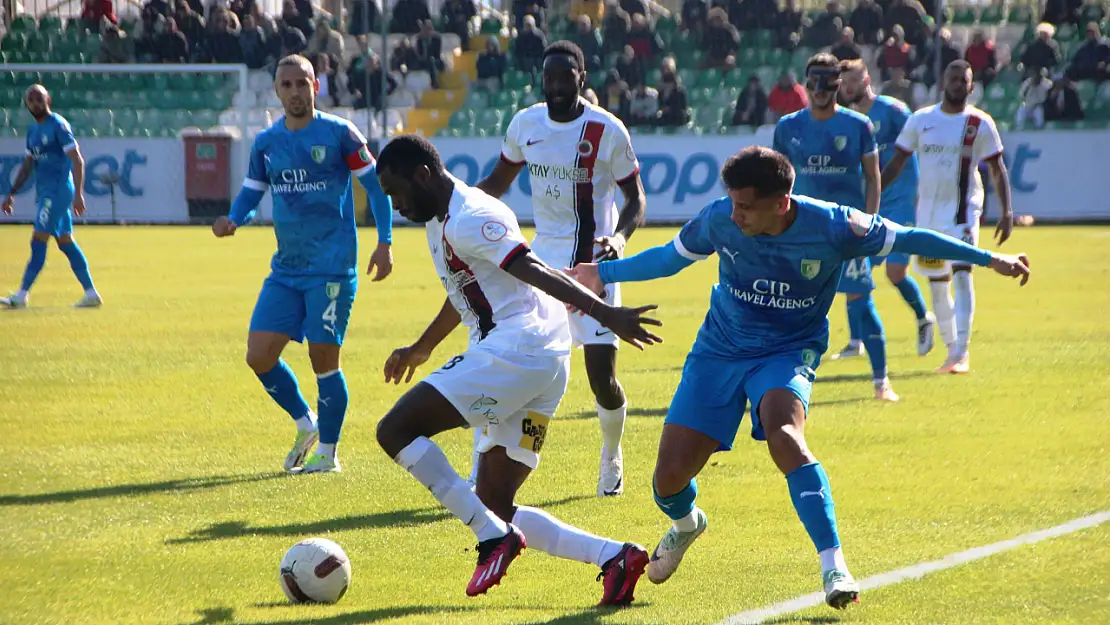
(813, 620)
(393, 518)
(350, 618)
(591, 616)
(632, 412)
(866, 377)
(136, 490)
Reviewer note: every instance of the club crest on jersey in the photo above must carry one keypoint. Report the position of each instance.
(585, 148)
(494, 231)
(840, 142)
(810, 268)
(45, 140)
(877, 125)
(970, 131)
(332, 289)
(318, 153)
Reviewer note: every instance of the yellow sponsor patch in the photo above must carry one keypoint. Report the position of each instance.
(931, 263)
(533, 430)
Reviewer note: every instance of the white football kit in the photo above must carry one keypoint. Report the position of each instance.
(949, 148)
(575, 169)
(514, 374)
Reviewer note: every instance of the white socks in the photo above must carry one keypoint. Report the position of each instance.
(945, 311)
(612, 426)
(689, 522)
(306, 423)
(832, 559)
(552, 536)
(426, 462)
(326, 449)
(964, 288)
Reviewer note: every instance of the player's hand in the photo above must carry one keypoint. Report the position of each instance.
(585, 274)
(8, 205)
(224, 227)
(1004, 228)
(79, 204)
(382, 258)
(402, 363)
(1011, 266)
(628, 323)
(610, 248)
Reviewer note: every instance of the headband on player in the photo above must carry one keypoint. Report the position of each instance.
(823, 78)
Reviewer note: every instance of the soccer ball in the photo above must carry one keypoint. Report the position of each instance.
(315, 570)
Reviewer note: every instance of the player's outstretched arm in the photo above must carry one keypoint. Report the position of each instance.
(893, 168)
(660, 261)
(936, 245)
(627, 323)
(499, 180)
(402, 363)
(21, 178)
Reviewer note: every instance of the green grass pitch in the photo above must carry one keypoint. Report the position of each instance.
(142, 483)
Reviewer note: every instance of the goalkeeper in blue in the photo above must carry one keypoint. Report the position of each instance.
(55, 159)
(763, 338)
(306, 160)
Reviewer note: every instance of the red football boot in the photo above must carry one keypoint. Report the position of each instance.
(621, 573)
(494, 557)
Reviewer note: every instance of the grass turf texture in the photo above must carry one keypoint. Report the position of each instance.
(143, 485)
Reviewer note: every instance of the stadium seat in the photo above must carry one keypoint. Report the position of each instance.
(442, 99)
(491, 25)
(964, 15)
(1065, 32)
(699, 96)
(476, 100)
(1020, 14)
(688, 75)
(50, 23)
(516, 79)
(710, 78)
(991, 15)
(528, 98)
(23, 23)
(463, 118)
(1092, 12)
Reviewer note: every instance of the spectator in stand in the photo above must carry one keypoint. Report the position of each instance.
(93, 11)
(404, 57)
(367, 66)
(847, 49)
(896, 53)
(643, 106)
(115, 45)
(593, 9)
(223, 42)
(910, 15)
(899, 87)
(672, 96)
(1092, 59)
(429, 51)
(615, 27)
(646, 43)
(407, 15)
(629, 68)
(457, 15)
(751, 106)
(1043, 53)
(787, 96)
(742, 14)
(491, 65)
(326, 40)
(1063, 103)
(980, 55)
(290, 40)
(721, 42)
(252, 44)
(695, 15)
(826, 28)
(364, 17)
(326, 73)
(1058, 12)
(948, 52)
(867, 23)
(159, 7)
(1034, 92)
(615, 97)
(587, 38)
(534, 8)
(530, 44)
(169, 43)
(192, 25)
(145, 51)
(633, 7)
(291, 16)
(788, 26)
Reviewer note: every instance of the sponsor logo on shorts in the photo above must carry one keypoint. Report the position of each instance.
(484, 406)
(533, 430)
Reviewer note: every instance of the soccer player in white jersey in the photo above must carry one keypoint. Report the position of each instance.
(509, 382)
(951, 139)
(578, 155)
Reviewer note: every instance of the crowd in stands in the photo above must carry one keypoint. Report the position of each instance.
(643, 85)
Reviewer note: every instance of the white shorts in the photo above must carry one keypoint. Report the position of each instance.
(938, 268)
(512, 396)
(584, 330)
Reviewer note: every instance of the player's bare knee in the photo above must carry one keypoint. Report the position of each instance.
(787, 446)
(672, 475)
(40, 236)
(65, 239)
(392, 435)
(324, 357)
(260, 360)
(607, 391)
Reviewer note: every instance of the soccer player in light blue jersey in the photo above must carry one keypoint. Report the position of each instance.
(55, 159)
(899, 201)
(834, 154)
(306, 160)
(763, 338)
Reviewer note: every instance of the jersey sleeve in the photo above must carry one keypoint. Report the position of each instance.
(988, 143)
(256, 167)
(778, 144)
(622, 158)
(899, 116)
(488, 234)
(355, 150)
(510, 147)
(63, 133)
(907, 139)
(693, 240)
(856, 234)
(867, 143)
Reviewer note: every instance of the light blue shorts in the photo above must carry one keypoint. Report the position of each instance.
(317, 310)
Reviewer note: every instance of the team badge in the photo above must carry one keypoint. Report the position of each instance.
(840, 142)
(971, 130)
(585, 148)
(878, 126)
(809, 357)
(332, 289)
(810, 268)
(494, 231)
(45, 140)
(364, 154)
(318, 153)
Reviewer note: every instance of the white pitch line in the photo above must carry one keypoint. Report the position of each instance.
(753, 617)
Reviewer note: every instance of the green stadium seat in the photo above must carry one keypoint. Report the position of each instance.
(529, 98)
(1065, 32)
(666, 24)
(10, 97)
(688, 75)
(476, 100)
(1059, 125)
(1091, 13)
(700, 96)
(767, 75)
(7, 79)
(488, 118)
(707, 115)
(503, 98)
(1099, 108)
(964, 15)
(748, 58)
(777, 57)
(763, 39)
(517, 79)
(991, 15)
(491, 26)
(711, 78)
(1010, 74)
(23, 23)
(50, 23)
(462, 119)
(1021, 14)
(13, 41)
(654, 77)
(206, 119)
(451, 132)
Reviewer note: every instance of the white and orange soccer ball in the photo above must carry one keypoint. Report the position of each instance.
(315, 570)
